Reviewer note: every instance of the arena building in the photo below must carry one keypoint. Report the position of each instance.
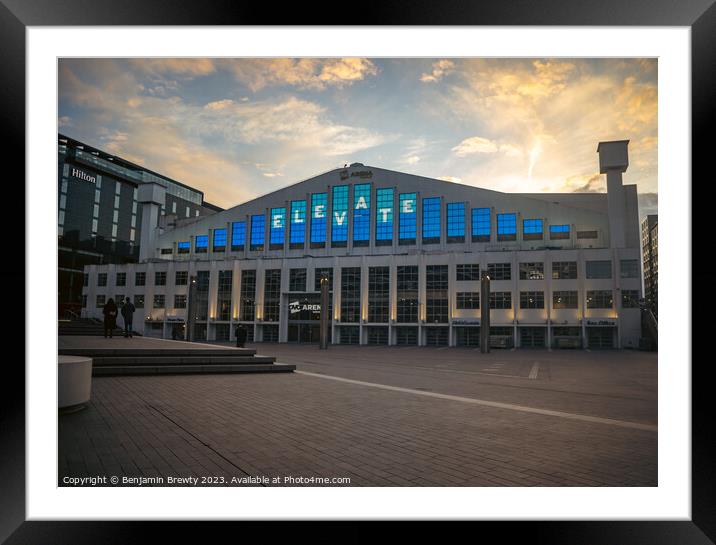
(403, 255)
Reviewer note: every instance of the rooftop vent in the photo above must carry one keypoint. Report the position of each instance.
(357, 165)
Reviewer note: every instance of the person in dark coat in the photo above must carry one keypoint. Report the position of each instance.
(241, 335)
(110, 317)
(128, 313)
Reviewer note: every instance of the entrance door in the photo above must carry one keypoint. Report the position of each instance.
(600, 337)
(308, 332)
(532, 337)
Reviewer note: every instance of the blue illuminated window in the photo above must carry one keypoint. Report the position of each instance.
(456, 222)
(431, 220)
(506, 226)
(219, 244)
(297, 236)
(361, 214)
(183, 247)
(277, 229)
(481, 225)
(238, 236)
(557, 232)
(407, 218)
(532, 230)
(201, 244)
(339, 221)
(383, 217)
(319, 203)
(258, 225)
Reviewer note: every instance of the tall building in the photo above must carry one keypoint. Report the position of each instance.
(403, 255)
(649, 248)
(100, 218)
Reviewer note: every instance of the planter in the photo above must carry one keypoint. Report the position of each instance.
(74, 381)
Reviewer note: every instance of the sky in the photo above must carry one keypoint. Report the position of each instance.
(240, 128)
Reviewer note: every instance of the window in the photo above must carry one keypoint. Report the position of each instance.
(201, 244)
(238, 236)
(319, 202)
(85, 279)
(201, 300)
(469, 272)
(318, 273)
(180, 301)
(119, 299)
(140, 278)
(481, 225)
(160, 278)
(219, 244)
(500, 300)
(183, 247)
(339, 221)
(531, 299)
(158, 301)
(384, 217)
(506, 226)
(431, 220)
(630, 298)
(102, 279)
(629, 268)
(456, 222)
(139, 300)
(378, 294)
(180, 278)
(407, 294)
(277, 229)
(436, 294)
(564, 299)
(599, 269)
(407, 218)
(558, 232)
(100, 300)
(297, 234)
(223, 296)
(564, 270)
(166, 251)
(272, 295)
(531, 271)
(120, 279)
(297, 280)
(361, 214)
(532, 230)
(499, 271)
(350, 294)
(599, 299)
(587, 234)
(247, 295)
(468, 300)
(258, 224)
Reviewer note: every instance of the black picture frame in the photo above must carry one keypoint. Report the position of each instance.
(16, 15)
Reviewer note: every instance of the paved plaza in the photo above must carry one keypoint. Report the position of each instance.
(378, 416)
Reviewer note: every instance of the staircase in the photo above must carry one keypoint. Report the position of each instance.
(87, 326)
(189, 359)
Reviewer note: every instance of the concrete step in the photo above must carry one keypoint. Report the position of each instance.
(144, 370)
(179, 352)
(181, 360)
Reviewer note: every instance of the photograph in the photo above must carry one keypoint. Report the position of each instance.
(357, 271)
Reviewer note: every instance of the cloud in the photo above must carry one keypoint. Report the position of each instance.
(648, 204)
(186, 67)
(440, 69)
(64, 121)
(475, 144)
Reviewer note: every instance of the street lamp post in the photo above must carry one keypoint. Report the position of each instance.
(324, 313)
(485, 313)
(190, 318)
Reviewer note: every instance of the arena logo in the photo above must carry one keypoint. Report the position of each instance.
(297, 306)
(81, 175)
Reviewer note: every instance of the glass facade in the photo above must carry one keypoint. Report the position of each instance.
(378, 294)
(183, 247)
(201, 244)
(456, 222)
(297, 240)
(297, 280)
(557, 232)
(339, 220)
(468, 300)
(531, 299)
(564, 299)
(532, 229)
(506, 227)
(532, 271)
(238, 236)
(599, 269)
(564, 270)
(599, 299)
(258, 226)
(431, 220)
(223, 296)
(436, 294)
(201, 304)
(319, 202)
(272, 295)
(467, 272)
(219, 244)
(499, 271)
(277, 229)
(361, 214)
(318, 273)
(247, 299)
(407, 294)
(384, 217)
(407, 218)
(481, 225)
(350, 294)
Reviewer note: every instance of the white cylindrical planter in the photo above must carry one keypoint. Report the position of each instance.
(74, 382)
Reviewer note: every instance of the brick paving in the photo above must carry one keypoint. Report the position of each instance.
(304, 425)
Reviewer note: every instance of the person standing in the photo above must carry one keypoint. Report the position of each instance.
(110, 317)
(241, 335)
(128, 313)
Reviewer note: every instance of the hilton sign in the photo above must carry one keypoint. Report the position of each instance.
(81, 175)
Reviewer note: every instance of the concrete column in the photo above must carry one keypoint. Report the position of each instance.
(151, 195)
(613, 161)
